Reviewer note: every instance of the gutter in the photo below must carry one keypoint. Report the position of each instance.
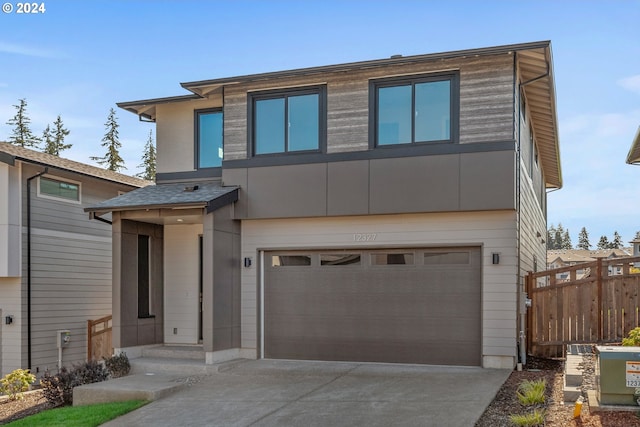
(29, 264)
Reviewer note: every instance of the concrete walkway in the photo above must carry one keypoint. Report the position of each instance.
(300, 393)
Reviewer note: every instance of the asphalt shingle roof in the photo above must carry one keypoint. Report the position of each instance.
(15, 152)
(209, 194)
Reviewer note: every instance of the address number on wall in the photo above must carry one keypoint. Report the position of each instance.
(364, 237)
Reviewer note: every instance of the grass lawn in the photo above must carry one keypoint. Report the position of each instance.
(79, 416)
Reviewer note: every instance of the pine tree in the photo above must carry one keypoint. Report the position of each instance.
(59, 134)
(110, 140)
(551, 237)
(583, 240)
(603, 243)
(558, 240)
(566, 241)
(22, 134)
(617, 241)
(148, 160)
(637, 236)
(47, 138)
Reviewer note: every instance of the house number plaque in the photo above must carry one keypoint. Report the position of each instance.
(364, 237)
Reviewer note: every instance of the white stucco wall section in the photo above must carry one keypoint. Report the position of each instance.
(10, 237)
(10, 348)
(181, 283)
(493, 231)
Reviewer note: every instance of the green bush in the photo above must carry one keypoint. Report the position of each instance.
(91, 372)
(531, 419)
(633, 340)
(118, 365)
(532, 392)
(16, 382)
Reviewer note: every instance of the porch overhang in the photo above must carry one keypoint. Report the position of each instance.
(195, 195)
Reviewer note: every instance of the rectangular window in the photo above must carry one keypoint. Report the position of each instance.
(436, 258)
(414, 110)
(291, 121)
(144, 294)
(340, 259)
(50, 187)
(290, 260)
(392, 258)
(209, 143)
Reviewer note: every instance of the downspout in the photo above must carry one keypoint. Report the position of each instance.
(522, 307)
(29, 264)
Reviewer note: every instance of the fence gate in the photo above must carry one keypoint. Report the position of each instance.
(99, 338)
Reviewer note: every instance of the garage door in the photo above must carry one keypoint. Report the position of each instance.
(401, 306)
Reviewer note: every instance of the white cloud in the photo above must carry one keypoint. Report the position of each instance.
(631, 83)
(17, 49)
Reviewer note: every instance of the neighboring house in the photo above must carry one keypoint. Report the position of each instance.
(381, 211)
(55, 263)
(633, 158)
(559, 258)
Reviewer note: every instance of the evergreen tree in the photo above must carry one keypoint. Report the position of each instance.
(583, 240)
(22, 134)
(566, 241)
(558, 241)
(551, 237)
(148, 160)
(47, 138)
(603, 243)
(617, 241)
(110, 141)
(637, 236)
(59, 134)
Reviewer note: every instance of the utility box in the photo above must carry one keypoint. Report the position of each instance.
(64, 338)
(617, 374)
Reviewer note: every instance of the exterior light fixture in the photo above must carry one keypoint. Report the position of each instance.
(247, 262)
(8, 320)
(495, 258)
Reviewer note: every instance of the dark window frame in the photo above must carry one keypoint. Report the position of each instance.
(59, 197)
(144, 277)
(253, 97)
(196, 137)
(454, 106)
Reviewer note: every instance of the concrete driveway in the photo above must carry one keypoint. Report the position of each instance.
(299, 393)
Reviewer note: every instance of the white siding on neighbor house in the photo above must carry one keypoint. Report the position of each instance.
(10, 356)
(493, 231)
(71, 283)
(181, 283)
(10, 221)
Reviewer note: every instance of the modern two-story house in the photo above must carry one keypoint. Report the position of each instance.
(380, 211)
(55, 264)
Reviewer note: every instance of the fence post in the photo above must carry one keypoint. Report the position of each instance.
(600, 308)
(529, 310)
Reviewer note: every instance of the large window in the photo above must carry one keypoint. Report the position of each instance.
(209, 144)
(290, 121)
(414, 110)
(144, 291)
(53, 188)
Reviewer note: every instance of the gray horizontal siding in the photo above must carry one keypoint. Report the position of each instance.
(486, 102)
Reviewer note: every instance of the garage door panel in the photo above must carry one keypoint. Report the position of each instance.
(420, 313)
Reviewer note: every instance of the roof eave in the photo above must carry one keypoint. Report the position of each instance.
(633, 158)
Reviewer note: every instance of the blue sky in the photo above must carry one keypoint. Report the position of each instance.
(81, 57)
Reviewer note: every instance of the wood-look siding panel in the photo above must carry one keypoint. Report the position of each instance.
(494, 231)
(235, 125)
(347, 116)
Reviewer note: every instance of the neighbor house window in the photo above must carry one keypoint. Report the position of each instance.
(289, 121)
(414, 110)
(54, 188)
(209, 144)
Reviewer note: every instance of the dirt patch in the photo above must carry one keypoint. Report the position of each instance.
(33, 402)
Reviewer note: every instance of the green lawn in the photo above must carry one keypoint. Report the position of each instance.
(79, 416)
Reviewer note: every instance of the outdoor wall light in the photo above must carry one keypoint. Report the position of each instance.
(495, 258)
(8, 320)
(247, 262)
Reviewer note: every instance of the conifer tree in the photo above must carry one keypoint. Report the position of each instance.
(47, 138)
(110, 141)
(617, 241)
(148, 160)
(566, 241)
(54, 140)
(22, 134)
(603, 243)
(551, 237)
(583, 240)
(637, 237)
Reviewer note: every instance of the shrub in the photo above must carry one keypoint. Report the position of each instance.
(633, 340)
(16, 382)
(58, 388)
(118, 365)
(531, 419)
(532, 392)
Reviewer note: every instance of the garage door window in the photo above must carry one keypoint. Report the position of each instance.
(290, 260)
(340, 259)
(392, 258)
(439, 258)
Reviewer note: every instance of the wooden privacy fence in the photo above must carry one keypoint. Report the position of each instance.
(99, 338)
(594, 302)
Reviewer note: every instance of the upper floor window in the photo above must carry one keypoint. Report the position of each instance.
(58, 189)
(288, 121)
(413, 110)
(209, 144)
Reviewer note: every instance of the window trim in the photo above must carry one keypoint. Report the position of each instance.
(196, 137)
(454, 106)
(253, 97)
(60, 199)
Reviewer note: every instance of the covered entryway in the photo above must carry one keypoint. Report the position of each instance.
(401, 305)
